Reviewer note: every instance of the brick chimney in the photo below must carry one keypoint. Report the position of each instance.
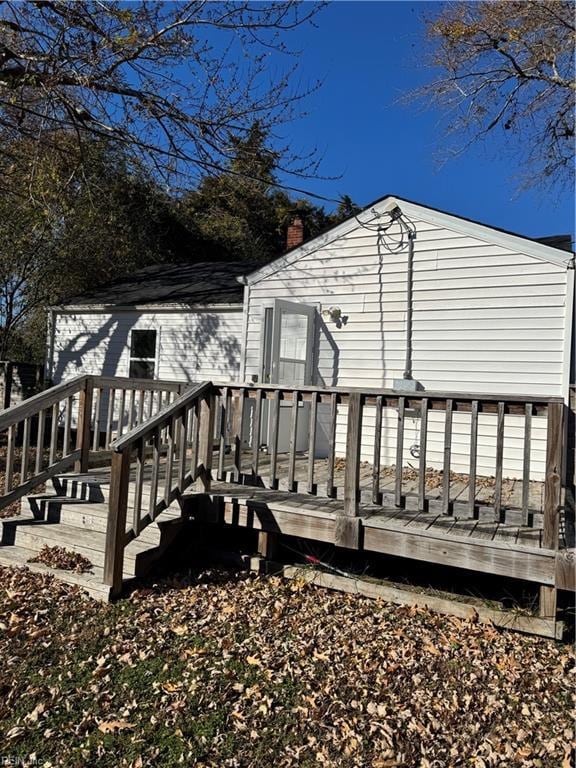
(295, 232)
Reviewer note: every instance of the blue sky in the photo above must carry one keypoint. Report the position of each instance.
(369, 54)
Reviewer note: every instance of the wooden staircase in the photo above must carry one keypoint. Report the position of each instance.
(74, 515)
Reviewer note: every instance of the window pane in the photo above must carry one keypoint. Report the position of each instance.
(293, 335)
(291, 373)
(143, 344)
(141, 369)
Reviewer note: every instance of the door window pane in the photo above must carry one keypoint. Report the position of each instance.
(293, 336)
(291, 372)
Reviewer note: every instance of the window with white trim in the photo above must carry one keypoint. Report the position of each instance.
(142, 354)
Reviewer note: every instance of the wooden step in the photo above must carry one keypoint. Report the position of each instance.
(86, 514)
(33, 534)
(19, 557)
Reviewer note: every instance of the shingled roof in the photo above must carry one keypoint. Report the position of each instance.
(202, 284)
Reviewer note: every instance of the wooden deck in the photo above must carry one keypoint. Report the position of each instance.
(169, 451)
(327, 486)
(489, 547)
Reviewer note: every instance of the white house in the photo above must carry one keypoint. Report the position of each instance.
(401, 295)
(181, 322)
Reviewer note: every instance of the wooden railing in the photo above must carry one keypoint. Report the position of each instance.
(354, 431)
(65, 425)
(174, 448)
(347, 444)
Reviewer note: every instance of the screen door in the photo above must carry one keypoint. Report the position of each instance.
(288, 360)
(292, 343)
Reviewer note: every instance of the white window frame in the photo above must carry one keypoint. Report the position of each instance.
(145, 359)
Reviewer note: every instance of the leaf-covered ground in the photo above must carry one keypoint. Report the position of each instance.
(229, 670)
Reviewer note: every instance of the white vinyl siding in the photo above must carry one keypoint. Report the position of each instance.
(192, 346)
(486, 320)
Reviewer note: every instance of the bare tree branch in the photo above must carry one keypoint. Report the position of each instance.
(509, 65)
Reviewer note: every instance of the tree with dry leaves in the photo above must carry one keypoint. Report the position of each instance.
(509, 66)
(170, 82)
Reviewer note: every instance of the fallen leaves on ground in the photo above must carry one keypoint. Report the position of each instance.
(64, 559)
(221, 670)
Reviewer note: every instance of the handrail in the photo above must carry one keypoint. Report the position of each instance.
(186, 423)
(418, 394)
(93, 407)
(161, 419)
(150, 384)
(41, 401)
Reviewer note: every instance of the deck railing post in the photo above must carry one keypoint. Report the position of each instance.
(347, 533)
(552, 497)
(206, 415)
(83, 426)
(116, 527)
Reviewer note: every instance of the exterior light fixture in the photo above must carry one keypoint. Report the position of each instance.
(332, 313)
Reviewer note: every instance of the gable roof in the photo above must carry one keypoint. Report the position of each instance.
(555, 254)
(200, 285)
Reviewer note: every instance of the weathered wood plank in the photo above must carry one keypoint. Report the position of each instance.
(131, 401)
(141, 398)
(330, 490)
(40, 442)
(9, 472)
(353, 448)
(256, 419)
(183, 429)
(400, 595)
(110, 417)
(25, 451)
(399, 452)
(118, 382)
(24, 488)
(552, 484)
(153, 496)
(195, 437)
(293, 439)
(312, 441)
(96, 395)
(447, 458)
(169, 468)
(377, 452)
(121, 412)
(526, 463)
(206, 440)
(422, 457)
(160, 419)
(274, 429)
(54, 433)
(566, 569)
(473, 458)
(224, 417)
(84, 425)
(32, 405)
(237, 433)
(499, 460)
(138, 485)
(116, 528)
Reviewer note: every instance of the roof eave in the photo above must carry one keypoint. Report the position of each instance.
(179, 307)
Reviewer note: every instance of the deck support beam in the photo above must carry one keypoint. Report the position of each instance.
(268, 544)
(348, 532)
